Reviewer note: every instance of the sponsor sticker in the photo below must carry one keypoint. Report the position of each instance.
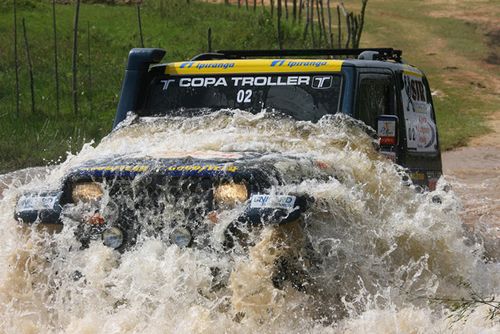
(37, 202)
(251, 66)
(191, 168)
(275, 202)
(387, 131)
(420, 127)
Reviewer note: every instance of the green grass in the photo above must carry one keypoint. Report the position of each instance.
(181, 29)
(431, 43)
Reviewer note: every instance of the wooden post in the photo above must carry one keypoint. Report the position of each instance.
(30, 67)
(246, 4)
(361, 20)
(16, 59)
(280, 41)
(209, 38)
(311, 21)
(272, 8)
(330, 23)
(56, 63)
(74, 59)
(139, 21)
(322, 16)
(319, 21)
(89, 72)
(348, 24)
(301, 6)
(254, 5)
(306, 28)
(286, 9)
(354, 33)
(339, 25)
(294, 10)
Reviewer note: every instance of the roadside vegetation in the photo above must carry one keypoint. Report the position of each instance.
(107, 32)
(453, 42)
(43, 136)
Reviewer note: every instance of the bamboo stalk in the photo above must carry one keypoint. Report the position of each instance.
(56, 63)
(30, 66)
(74, 59)
(16, 59)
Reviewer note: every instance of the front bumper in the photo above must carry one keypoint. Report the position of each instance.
(48, 208)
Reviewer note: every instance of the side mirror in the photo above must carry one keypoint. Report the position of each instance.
(387, 130)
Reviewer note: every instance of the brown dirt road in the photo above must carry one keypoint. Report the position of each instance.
(474, 172)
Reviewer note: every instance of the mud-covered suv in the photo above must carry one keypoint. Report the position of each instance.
(107, 195)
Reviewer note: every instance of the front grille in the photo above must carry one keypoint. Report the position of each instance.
(153, 206)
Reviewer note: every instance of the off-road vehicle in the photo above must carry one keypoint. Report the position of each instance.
(376, 87)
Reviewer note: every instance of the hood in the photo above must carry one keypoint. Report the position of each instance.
(248, 165)
(201, 164)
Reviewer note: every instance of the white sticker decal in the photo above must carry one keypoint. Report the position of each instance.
(32, 202)
(166, 83)
(275, 202)
(244, 96)
(420, 126)
(322, 82)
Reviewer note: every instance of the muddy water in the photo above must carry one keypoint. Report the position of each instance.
(376, 254)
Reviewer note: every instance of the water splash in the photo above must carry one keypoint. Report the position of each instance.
(370, 255)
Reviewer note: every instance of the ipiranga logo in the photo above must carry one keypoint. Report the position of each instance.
(200, 66)
(293, 63)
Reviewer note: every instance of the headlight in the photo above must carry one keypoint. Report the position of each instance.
(181, 237)
(230, 194)
(87, 192)
(112, 237)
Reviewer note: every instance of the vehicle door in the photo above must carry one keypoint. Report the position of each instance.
(376, 100)
(420, 149)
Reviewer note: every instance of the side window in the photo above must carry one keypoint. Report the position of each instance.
(375, 97)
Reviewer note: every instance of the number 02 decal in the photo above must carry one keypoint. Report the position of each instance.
(244, 96)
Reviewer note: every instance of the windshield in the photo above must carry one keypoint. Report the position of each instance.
(305, 97)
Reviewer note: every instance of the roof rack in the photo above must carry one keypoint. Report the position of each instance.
(380, 53)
